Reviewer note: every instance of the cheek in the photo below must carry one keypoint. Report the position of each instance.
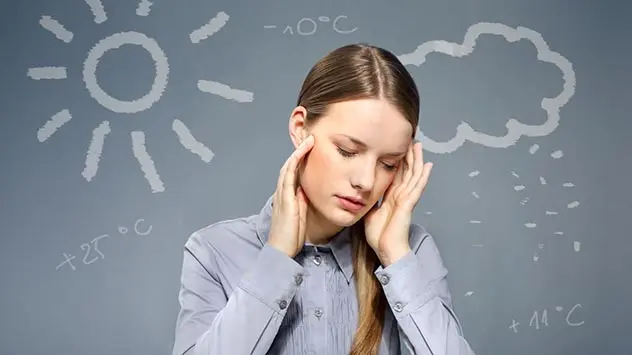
(316, 172)
(383, 183)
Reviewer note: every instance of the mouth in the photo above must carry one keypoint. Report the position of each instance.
(350, 203)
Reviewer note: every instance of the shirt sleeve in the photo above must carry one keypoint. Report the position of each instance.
(246, 321)
(417, 292)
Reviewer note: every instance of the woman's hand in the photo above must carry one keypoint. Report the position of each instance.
(287, 228)
(387, 226)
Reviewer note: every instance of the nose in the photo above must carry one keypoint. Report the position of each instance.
(363, 176)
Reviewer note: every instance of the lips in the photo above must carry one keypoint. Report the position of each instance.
(351, 204)
(357, 201)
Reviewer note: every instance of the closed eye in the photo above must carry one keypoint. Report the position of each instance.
(348, 154)
(345, 153)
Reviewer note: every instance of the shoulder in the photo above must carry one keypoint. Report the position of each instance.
(228, 236)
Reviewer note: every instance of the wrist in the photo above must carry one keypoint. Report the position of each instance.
(391, 255)
(284, 250)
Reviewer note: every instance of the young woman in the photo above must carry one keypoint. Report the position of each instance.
(332, 264)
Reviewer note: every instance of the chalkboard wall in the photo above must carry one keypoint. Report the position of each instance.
(127, 125)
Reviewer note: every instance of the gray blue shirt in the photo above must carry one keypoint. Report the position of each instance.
(241, 296)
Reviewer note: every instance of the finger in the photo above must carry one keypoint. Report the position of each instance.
(418, 165)
(278, 194)
(396, 183)
(302, 210)
(420, 186)
(409, 161)
(289, 179)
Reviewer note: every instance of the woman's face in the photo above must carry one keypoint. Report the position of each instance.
(357, 148)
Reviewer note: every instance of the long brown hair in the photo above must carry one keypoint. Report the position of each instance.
(360, 71)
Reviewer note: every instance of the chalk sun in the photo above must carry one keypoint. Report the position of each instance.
(161, 65)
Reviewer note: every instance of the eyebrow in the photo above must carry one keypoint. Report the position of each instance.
(363, 145)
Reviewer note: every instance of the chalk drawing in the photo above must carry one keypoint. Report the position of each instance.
(90, 250)
(570, 314)
(95, 149)
(209, 29)
(576, 246)
(98, 11)
(225, 91)
(116, 41)
(110, 102)
(541, 319)
(189, 142)
(307, 26)
(557, 154)
(515, 129)
(56, 28)
(49, 73)
(144, 7)
(51, 126)
(145, 161)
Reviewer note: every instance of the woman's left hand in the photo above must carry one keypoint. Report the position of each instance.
(387, 226)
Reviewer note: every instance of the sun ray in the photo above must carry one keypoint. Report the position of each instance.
(51, 126)
(209, 29)
(96, 6)
(144, 7)
(40, 73)
(145, 161)
(190, 143)
(225, 91)
(56, 28)
(95, 149)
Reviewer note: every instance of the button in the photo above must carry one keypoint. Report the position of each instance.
(317, 259)
(298, 279)
(318, 312)
(282, 304)
(398, 307)
(384, 279)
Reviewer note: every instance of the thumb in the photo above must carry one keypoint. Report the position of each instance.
(302, 210)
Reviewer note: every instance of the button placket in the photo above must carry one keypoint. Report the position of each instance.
(283, 304)
(318, 312)
(318, 259)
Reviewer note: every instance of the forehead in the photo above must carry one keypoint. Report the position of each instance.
(377, 123)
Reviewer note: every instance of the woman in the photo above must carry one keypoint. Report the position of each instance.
(331, 265)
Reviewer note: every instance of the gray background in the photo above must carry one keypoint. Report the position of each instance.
(119, 296)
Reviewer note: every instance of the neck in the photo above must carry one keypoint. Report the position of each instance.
(319, 229)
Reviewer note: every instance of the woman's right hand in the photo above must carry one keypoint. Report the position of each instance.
(287, 228)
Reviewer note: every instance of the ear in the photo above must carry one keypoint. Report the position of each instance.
(298, 125)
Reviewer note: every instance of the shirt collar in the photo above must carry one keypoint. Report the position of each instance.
(340, 244)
